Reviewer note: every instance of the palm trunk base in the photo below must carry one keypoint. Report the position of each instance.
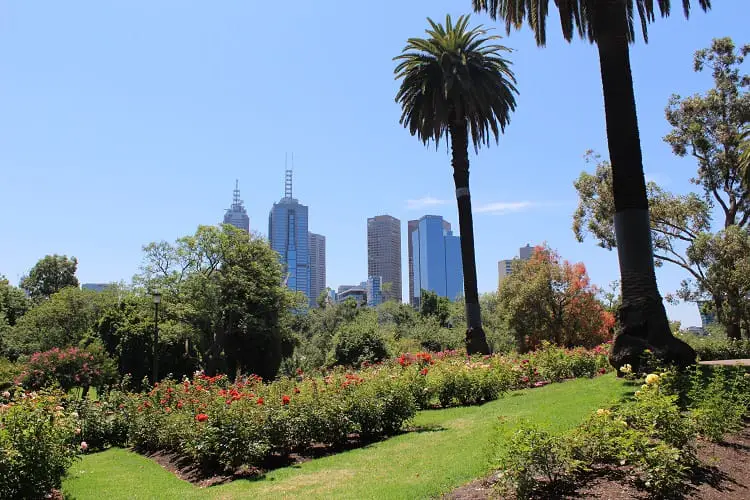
(644, 326)
(476, 341)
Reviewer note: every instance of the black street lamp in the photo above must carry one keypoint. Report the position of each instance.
(157, 299)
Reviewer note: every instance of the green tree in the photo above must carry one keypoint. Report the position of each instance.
(66, 318)
(709, 128)
(127, 332)
(227, 287)
(50, 275)
(456, 83)
(610, 24)
(13, 301)
(433, 305)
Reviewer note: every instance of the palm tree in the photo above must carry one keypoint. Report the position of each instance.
(745, 157)
(455, 82)
(610, 25)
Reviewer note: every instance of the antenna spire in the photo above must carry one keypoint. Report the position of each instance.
(236, 192)
(288, 184)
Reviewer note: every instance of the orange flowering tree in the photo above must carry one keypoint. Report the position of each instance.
(548, 298)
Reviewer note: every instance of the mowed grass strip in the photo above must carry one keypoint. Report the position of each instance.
(448, 448)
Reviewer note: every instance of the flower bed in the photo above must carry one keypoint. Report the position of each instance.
(220, 424)
(224, 425)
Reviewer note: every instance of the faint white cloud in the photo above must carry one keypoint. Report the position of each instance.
(504, 207)
(424, 202)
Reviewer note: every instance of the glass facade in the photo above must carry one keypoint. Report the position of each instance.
(374, 291)
(436, 259)
(288, 235)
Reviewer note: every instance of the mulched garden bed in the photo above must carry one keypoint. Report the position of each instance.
(185, 469)
(725, 474)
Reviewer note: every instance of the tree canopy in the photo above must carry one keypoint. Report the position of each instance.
(51, 274)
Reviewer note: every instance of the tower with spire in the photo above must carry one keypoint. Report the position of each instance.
(288, 235)
(237, 215)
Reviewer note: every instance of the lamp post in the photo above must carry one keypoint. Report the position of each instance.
(157, 299)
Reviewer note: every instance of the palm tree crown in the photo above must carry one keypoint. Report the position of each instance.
(577, 16)
(456, 76)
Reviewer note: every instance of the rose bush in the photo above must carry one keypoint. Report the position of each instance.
(69, 367)
(38, 443)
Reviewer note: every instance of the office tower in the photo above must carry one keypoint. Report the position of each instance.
(437, 259)
(504, 268)
(375, 295)
(384, 253)
(288, 235)
(237, 215)
(317, 266)
(525, 252)
(412, 226)
(357, 292)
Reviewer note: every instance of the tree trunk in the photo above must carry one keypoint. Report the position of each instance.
(732, 316)
(476, 341)
(642, 317)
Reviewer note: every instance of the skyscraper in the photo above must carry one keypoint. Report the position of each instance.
(237, 215)
(317, 244)
(525, 252)
(412, 226)
(374, 291)
(288, 235)
(437, 259)
(505, 267)
(384, 253)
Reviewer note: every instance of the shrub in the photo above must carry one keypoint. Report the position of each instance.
(37, 445)
(70, 367)
(9, 372)
(358, 342)
(718, 346)
(533, 453)
(719, 401)
(102, 423)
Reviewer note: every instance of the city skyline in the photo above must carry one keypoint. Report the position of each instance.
(93, 116)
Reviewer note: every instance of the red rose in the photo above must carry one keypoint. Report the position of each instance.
(259, 401)
(423, 371)
(285, 399)
(201, 417)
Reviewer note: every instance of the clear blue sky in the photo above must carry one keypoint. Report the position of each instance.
(126, 122)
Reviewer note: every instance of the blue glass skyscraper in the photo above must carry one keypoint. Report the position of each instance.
(437, 259)
(288, 235)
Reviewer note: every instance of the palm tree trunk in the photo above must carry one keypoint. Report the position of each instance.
(643, 319)
(476, 340)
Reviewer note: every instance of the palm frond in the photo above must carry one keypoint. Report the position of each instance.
(456, 76)
(577, 16)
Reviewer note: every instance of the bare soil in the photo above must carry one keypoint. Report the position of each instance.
(724, 474)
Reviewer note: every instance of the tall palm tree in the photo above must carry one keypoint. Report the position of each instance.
(610, 24)
(455, 82)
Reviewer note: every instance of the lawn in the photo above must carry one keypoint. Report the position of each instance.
(449, 448)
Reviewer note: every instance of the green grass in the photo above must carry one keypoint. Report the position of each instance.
(449, 448)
